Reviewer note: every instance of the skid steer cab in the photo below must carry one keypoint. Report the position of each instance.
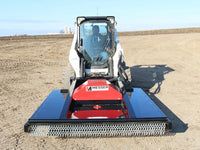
(98, 102)
(96, 51)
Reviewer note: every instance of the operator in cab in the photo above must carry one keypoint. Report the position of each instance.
(96, 37)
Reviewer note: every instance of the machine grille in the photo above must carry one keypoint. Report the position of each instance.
(99, 129)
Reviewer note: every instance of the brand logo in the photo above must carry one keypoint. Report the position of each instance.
(97, 88)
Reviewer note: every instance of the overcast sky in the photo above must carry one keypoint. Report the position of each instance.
(50, 16)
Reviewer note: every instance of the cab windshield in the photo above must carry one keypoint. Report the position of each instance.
(96, 41)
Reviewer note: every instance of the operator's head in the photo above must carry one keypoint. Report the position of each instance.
(95, 30)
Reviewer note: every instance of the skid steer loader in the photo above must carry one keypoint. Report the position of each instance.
(98, 102)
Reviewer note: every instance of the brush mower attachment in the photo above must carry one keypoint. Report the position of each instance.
(97, 108)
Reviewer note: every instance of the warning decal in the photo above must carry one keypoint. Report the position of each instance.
(97, 88)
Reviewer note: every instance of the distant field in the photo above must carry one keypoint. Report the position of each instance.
(162, 31)
(128, 33)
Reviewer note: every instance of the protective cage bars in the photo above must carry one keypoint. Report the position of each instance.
(99, 129)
